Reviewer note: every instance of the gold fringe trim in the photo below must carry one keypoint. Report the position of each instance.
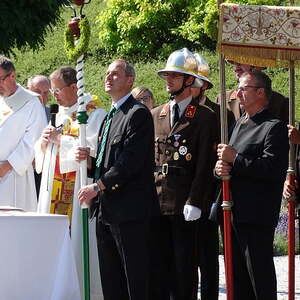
(263, 57)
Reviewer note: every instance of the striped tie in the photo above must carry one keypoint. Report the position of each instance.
(104, 136)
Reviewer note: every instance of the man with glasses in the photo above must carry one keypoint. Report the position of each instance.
(185, 140)
(57, 149)
(256, 160)
(22, 119)
(278, 105)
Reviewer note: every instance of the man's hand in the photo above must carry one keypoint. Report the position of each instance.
(289, 189)
(86, 194)
(4, 168)
(222, 168)
(50, 135)
(82, 153)
(191, 213)
(294, 134)
(226, 153)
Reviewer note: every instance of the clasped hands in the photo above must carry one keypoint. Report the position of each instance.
(226, 156)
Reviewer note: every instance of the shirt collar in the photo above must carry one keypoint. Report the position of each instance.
(182, 104)
(118, 104)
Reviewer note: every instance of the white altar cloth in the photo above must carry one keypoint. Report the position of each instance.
(36, 258)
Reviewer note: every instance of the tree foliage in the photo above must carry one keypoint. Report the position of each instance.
(26, 22)
(157, 27)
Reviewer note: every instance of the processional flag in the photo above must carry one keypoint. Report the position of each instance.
(265, 36)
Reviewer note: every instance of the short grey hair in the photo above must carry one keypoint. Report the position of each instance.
(40, 77)
(128, 67)
(66, 73)
(6, 64)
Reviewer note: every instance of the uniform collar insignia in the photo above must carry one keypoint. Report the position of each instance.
(190, 111)
(164, 111)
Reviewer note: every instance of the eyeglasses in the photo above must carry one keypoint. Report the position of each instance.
(144, 99)
(243, 88)
(57, 90)
(172, 75)
(4, 77)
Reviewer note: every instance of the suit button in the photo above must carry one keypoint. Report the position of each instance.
(167, 152)
(116, 185)
(113, 188)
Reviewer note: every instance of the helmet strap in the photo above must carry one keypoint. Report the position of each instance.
(184, 86)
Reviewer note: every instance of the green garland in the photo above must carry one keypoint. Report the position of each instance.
(74, 52)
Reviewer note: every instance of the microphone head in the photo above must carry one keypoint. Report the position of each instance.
(53, 108)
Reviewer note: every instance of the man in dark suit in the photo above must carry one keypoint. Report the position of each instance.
(124, 184)
(256, 159)
(185, 139)
(208, 235)
(278, 104)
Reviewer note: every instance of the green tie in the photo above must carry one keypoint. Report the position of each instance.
(104, 136)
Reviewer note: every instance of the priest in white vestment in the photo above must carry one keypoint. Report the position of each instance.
(22, 119)
(55, 156)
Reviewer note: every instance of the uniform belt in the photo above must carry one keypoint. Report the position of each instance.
(165, 169)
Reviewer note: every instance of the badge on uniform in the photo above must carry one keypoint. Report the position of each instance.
(188, 157)
(182, 150)
(164, 111)
(176, 156)
(190, 111)
(176, 137)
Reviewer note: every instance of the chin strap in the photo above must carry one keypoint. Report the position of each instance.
(184, 86)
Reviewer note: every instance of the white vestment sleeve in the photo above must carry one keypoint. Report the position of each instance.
(22, 156)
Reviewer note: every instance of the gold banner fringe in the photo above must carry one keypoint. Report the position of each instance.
(260, 56)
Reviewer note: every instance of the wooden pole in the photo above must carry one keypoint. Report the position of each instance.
(291, 179)
(227, 203)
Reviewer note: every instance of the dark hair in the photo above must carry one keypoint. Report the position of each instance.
(67, 74)
(262, 80)
(6, 64)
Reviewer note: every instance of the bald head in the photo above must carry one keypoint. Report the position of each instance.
(40, 84)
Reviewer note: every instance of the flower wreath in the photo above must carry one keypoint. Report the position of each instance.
(75, 51)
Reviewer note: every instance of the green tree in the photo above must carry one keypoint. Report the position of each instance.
(153, 28)
(24, 23)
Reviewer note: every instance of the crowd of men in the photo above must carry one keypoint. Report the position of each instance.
(154, 174)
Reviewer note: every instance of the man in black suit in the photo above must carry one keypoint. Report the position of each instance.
(256, 159)
(124, 186)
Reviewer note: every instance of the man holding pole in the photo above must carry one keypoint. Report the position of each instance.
(55, 157)
(124, 186)
(256, 159)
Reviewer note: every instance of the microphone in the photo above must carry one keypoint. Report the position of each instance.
(53, 112)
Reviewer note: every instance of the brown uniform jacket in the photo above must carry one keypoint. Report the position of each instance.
(188, 151)
(278, 107)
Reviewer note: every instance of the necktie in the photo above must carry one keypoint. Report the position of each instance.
(176, 114)
(104, 136)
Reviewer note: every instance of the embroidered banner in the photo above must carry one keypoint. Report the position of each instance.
(259, 35)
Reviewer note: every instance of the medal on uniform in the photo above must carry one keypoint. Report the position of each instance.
(184, 141)
(182, 150)
(176, 137)
(188, 157)
(176, 156)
